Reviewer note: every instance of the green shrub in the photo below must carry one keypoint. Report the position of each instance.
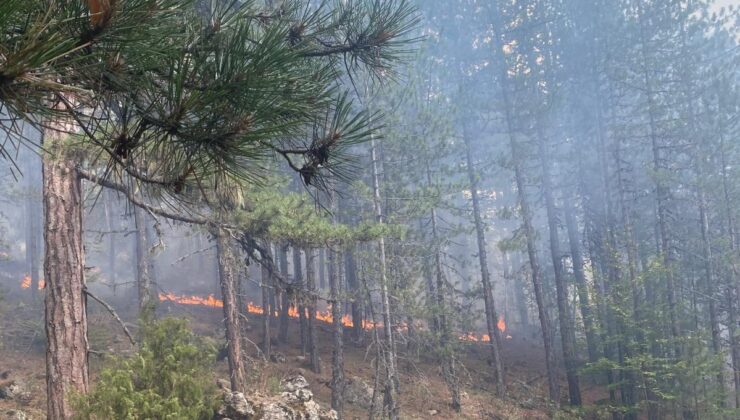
(169, 378)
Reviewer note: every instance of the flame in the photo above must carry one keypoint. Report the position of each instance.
(485, 338)
(192, 300)
(211, 301)
(324, 316)
(26, 282)
(501, 325)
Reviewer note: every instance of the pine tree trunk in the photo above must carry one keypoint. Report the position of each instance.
(710, 289)
(581, 285)
(449, 370)
(521, 299)
(143, 282)
(489, 305)
(392, 381)
(355, 295)
(112, 251)
(300, 288)
(322, 269)
(661, 191)
(312, 338)
(526, 214)
(284, 298)
(227, 278)
(267, 306)
(32, 227)
(567, 334)
(734, 280)
(65, 300)
(337, 359)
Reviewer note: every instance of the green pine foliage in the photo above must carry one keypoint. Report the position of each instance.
(167, 379)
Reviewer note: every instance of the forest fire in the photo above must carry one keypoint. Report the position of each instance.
(26, 282)
(324, 316)
(484, 338)
(212, 302)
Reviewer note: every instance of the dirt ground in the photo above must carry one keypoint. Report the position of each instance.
(424, 394)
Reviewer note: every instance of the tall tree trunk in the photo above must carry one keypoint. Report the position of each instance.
(312, 338)
(143, 281)
(734, 280)
(227, 278)
(33, 217)
(661, 190)
(337, 359)
(490, 308)
(710, 288)
(284, 296)
(300, 296)
(109, 204)
(355, 294)
(64, 262)
(567, 334)
(525, 211)
(321, 284)
(335, 285)
(584, 300)
(521, 300)
(392, 381)
(267, 307)
(449, 370)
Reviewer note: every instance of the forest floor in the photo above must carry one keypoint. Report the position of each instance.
(424, 394)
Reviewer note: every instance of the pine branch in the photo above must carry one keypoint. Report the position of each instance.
(114, 314)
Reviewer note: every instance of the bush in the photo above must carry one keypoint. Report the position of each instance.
(168, 378)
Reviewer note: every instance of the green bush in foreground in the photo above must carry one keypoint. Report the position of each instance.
(169, 378)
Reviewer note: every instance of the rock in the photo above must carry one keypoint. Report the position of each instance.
(293, 383)
(15, 415)
(236, 407)
(528, 404)
(358, 392)
(432, 412)
(295, 402)
(277, 357)
(14, 390)
(223, 384)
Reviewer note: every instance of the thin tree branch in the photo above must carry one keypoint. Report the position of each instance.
(114, 314)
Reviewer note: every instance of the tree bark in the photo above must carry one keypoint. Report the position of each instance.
(312, 339)
(32, 226)
(355, 294)
(392, 381)
(584, 300)
(449, 371)
(710, 288)
(65, 301)
(267, 306)
(300, 296)
(567, 334)
(143, 281)
(337, 359)
(284, 297)
(112, 251)
(227, 278)
(491, 315)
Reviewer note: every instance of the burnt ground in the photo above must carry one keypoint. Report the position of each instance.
(424, 394)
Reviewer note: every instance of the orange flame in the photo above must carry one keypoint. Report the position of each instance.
(26, 282)
(485, 338)
(324, 316)
(211, 301)
(501, 325)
